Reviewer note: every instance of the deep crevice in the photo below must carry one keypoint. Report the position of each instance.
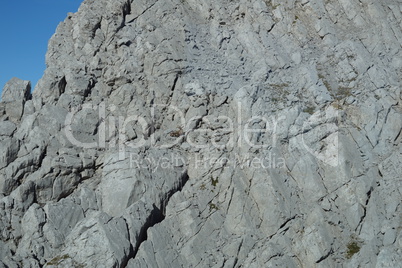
(165, 200)
(131, 253)
(154, 218)
(62, 85)
(157, 215)
(90, 86)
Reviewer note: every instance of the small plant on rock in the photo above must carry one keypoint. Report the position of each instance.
(309, 110)
(212, 206)
(177, 133)
(57, 260)
(214, 182)
(353, 248)
(343, 92)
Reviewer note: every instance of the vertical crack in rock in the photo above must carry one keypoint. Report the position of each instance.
(360, 225)
(62, 85)
(132, 251)
(369, 195)
(157, 215)
(397, 137)
(175, 82)
(91, 85)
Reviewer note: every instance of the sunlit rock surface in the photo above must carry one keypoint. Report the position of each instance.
(182, 133)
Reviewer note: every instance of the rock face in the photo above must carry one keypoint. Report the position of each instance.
(15, 93)
(208, 134)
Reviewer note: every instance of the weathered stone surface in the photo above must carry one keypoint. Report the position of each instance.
(208, 134)
(7, 128)
(99, 241)
(10, 147)
(15, 93)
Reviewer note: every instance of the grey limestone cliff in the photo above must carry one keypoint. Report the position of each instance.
(182, 133)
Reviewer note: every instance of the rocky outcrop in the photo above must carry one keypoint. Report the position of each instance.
(15, 93)
(212, 134)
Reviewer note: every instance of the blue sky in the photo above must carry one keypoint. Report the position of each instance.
(26, 27)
